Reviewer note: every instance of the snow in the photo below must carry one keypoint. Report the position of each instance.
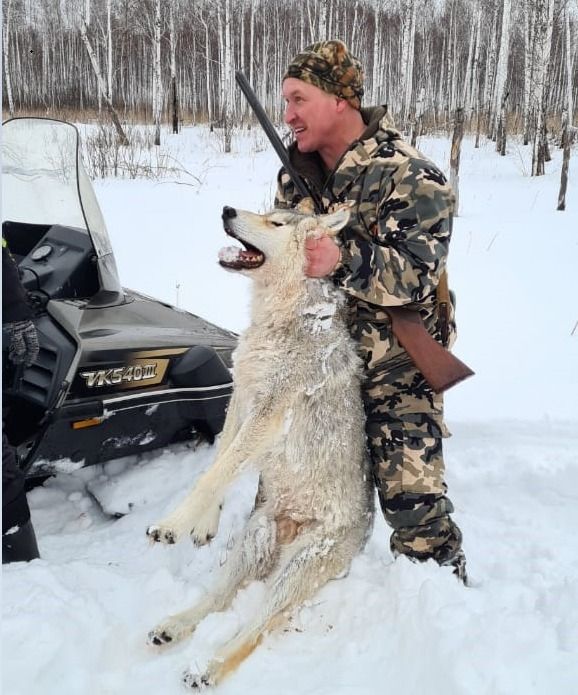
(76, 620)
(229, 254)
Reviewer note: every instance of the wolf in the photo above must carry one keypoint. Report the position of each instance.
(296, 416)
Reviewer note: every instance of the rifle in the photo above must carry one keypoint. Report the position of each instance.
(439, 367)
(299, 183)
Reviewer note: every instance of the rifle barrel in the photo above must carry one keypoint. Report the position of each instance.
(275, 140)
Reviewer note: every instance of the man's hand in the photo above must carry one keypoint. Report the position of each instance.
(24, 346)
(323, 255)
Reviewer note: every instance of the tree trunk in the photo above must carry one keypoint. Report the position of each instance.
(375, 77)
(502, 127)
(544, 25)
(210, 108)
(479, 119)
(490, 73)
(108, 51)
(322, 21)
(470, 83)
(529, 66)
(455, 156)
(417, 124)
(565, 163)
(252, 45)
(173, 43)
(354, 28)
(407, 56)
(568, 65)
(101, 85)
(502, 68)
(157, 86)
(5, 51)
(226, 72)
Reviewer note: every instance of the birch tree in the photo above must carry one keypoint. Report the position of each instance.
(544, 15)
(100, 81)
(173, 51)
(472, 65)
(252, 43)
(417, 121)
(157, 81)
(407, 55)
(5, 56)
(226, 70)
(566, 119)
(530, 49)
(109, 50)
(568, 63)
(566, 142)
(208, 77)
(376, 72)
(455, 156)
(456, 50)
(499, 122)
(490, 75)
(322, 14)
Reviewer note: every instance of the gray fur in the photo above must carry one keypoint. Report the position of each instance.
(296, 416)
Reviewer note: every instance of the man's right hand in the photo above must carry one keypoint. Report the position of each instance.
(23, 348)
(323, 255)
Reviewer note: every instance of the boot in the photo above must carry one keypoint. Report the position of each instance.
(21, 545)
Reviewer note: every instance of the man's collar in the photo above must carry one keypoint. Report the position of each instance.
(379, 127)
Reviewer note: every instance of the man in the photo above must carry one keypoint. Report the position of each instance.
(393, 253)
(18, 537)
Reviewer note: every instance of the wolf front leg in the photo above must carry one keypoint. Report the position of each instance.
(231, 426)
(250, 558)
(198, 515)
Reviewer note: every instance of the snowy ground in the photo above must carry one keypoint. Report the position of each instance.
(75, 621)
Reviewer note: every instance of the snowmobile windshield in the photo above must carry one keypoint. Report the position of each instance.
(44, 183)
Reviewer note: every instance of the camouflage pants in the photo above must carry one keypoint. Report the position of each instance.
(405, 430)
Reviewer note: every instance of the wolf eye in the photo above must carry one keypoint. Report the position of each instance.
(276, 224)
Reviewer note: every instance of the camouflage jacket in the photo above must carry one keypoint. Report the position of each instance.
(395, 247)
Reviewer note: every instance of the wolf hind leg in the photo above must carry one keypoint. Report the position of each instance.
(304, 567)
(251, 558)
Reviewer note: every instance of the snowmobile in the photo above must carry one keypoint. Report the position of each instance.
(118, 372)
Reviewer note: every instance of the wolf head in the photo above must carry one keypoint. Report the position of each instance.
(275, 242)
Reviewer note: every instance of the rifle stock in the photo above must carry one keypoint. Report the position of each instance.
(439, 367)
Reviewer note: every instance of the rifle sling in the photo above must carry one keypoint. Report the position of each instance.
(443, 304)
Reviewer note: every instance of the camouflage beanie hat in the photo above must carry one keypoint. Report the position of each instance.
(331, 67)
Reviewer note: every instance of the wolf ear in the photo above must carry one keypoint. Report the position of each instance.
(336, 220)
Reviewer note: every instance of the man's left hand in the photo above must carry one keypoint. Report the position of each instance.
(24, 346)
(323, 255)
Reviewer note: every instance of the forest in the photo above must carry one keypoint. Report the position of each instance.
(497, 66)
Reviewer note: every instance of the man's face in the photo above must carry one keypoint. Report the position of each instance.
(311, 113)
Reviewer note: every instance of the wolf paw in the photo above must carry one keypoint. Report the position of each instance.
(197, 681)
(162, 534)
(159, 638)
(167, 633)
(206, 525)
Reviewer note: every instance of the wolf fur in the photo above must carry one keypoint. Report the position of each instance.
(296, 416)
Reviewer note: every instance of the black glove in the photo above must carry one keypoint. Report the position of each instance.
(23, 348)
